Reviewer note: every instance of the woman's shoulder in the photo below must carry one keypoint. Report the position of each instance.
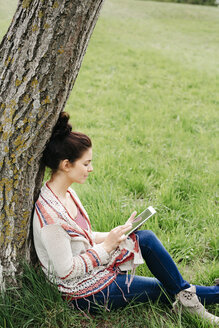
(44, 188)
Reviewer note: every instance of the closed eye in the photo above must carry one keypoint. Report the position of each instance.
(87, 163)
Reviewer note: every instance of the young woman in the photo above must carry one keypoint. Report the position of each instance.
(89, 267)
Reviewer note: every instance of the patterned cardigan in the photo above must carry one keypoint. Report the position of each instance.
(68, 254)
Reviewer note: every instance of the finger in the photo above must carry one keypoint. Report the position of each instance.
(122, 238)
(125, 228)
(121, 227)
(119, 231)
(116, 228)
(132, 217)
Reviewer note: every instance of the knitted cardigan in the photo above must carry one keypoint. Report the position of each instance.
(68, 254)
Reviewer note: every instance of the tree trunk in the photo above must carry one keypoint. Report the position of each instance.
(40, 57)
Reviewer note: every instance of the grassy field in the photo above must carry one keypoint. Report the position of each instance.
(147, 94)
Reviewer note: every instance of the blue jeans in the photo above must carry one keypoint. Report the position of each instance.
(168, 281)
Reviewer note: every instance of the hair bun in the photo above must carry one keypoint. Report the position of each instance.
(62, 127)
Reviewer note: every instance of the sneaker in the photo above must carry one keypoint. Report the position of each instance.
(188, 300)
(216, 281)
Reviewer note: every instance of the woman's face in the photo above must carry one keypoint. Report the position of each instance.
(81, 168)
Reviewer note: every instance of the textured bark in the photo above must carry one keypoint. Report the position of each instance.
(40, 57)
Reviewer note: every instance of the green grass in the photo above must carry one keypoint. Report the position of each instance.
(6, 13)
(147, 94)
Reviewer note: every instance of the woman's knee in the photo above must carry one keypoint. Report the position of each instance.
(146, 238)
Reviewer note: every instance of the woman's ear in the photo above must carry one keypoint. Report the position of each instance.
(65, 165)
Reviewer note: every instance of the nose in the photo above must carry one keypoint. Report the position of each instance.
(90, 168)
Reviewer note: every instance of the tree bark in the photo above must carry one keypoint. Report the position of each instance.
(40, 57)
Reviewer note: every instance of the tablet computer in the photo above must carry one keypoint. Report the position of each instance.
(141, 218)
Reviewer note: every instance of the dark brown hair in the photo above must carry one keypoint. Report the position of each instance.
(64, 144)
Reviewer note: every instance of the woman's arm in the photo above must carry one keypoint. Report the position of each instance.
(66, 265)
(59, 249)
(99, 237)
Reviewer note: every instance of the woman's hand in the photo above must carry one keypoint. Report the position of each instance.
(99, 237)
(115, 237)
(132, 217)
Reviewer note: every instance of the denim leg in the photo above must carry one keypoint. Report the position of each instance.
(143, 289)
(165, 270)
(208, 294)
(160, 263)
(118, 295)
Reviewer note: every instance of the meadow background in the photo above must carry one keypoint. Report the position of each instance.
(147, 95)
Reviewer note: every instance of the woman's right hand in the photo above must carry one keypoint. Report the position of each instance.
(115, 237)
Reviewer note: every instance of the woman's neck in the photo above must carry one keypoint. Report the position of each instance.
(59, 185)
